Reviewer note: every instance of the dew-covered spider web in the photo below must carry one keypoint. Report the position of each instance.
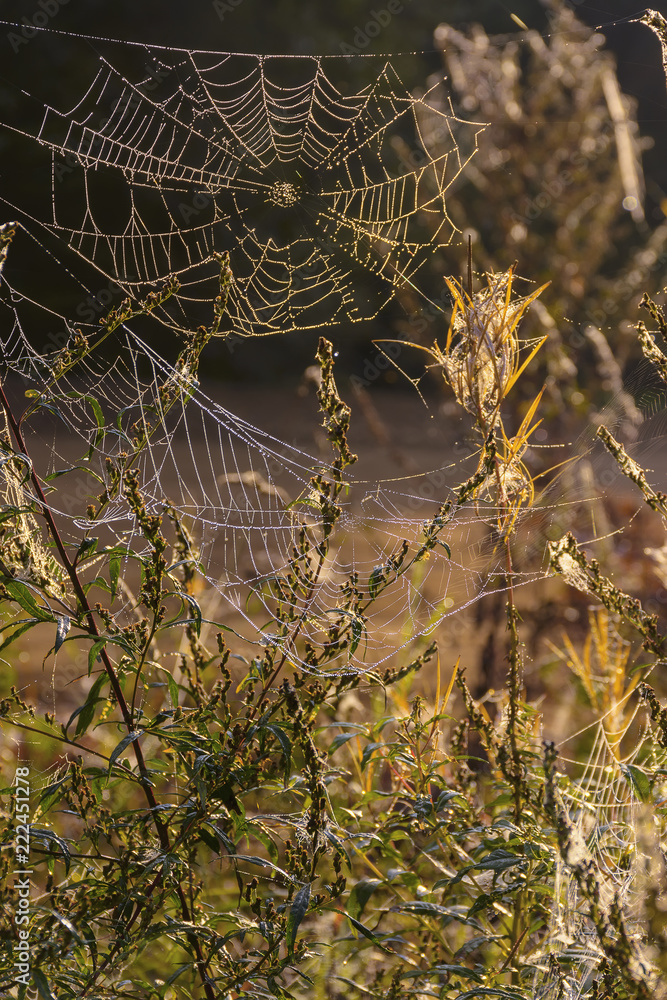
(244, 493)
(169, 157)
(167, 161)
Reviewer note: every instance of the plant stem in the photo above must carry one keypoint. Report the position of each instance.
(87, 611)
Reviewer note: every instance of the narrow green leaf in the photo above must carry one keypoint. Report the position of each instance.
(21, 594)
(173, 690)
(339, 740)
(42, 985)
(179, 972)
(74, 468)
(67, 924)
(499, 861)
(94, 652)
(196, 611)
(114, 573)
(50, 795)
(338, 847)
(639, 782)
(357, 628)
(16, 633)
(375, 581)
(285, 745)
(86, 711)
(87, 548)
(99, 418)
(125, 742)
(369, 750)
(297, 912)
(224, 839)
(488, 991)
(360, 895)
(459, 970)
(37, 833)
(367, 933)
(89, 941)
(63, 628)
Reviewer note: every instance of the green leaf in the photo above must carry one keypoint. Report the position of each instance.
(64, 625)
(639, 781)
(16, 633)
(50, 795)
(488, 991)
(86, 549)
(21, 594)
(173, 690)
(360, 895)
(445, 797)
(195, 609)
(86, 711)
(254, 859)
(42, 985)
(94, 652)
(114, 573)
(499, 861)
(67, 924)
(369, 750)
(37, 833)
(375, 581)
(427, 909)
(99, 417)
(89, 941)
(368, 933)
(338, 847)
(297, 912)
(74, 468)
(224, 839)
(339, 740)
(357, 628)
(125, 742)
(448, 913)
(459, 970)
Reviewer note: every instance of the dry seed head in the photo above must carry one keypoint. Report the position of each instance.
(481, 358)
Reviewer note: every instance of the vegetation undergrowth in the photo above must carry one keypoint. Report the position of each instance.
(284, 826)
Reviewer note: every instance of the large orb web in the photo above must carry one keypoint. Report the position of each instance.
(164, 158)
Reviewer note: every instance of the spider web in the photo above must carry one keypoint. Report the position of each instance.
(265, 157)
(236, 486)
(611, 835)
(170, 158)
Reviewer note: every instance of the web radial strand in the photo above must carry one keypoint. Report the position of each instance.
(243, 493)
(318, 194)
